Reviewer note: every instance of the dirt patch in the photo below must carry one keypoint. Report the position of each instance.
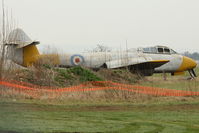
(63, 108)
(181, 107)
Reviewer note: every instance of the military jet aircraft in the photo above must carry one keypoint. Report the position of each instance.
(146, 61)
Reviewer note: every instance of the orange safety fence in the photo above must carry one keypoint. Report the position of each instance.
(36, 91)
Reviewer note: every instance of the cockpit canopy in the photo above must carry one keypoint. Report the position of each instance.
(158, 50)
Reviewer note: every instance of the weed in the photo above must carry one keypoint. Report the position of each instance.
(85, 74)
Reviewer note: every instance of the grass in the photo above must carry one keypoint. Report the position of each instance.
(74, 75)
(45, 75)
(84, 74)
(74, 72)
(173, 82)
(24, 117)
(149, 115)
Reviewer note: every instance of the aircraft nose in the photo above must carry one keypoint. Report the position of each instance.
(187, 64)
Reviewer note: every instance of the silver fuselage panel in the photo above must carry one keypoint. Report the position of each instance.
(121, 59)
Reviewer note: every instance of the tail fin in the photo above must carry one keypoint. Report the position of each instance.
(22, 50)
(30, 55)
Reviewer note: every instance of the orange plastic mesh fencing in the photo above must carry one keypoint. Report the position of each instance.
(36, 91)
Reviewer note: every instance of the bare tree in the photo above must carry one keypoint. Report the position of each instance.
(2, 40)
(6, 27)
(101, 48)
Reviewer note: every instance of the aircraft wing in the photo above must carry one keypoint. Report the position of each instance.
(141, 63)
(150, 64)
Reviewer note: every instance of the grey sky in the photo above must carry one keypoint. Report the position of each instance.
(77, 25)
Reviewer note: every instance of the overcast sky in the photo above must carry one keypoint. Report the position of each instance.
(78, 25)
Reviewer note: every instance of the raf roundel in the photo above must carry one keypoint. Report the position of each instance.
(77, 60)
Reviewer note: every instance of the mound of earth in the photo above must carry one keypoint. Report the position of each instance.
(63, 77)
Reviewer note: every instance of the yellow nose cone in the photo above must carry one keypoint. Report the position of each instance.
(187, 64)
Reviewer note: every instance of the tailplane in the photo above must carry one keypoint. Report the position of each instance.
(21, 49)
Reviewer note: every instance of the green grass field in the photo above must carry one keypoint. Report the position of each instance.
(149, 114)
(27, 116)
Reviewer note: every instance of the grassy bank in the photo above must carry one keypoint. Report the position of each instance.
(45, 75)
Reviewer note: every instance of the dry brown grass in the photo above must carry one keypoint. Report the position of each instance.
(118, 75)
(100, 96)
(78, 96)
